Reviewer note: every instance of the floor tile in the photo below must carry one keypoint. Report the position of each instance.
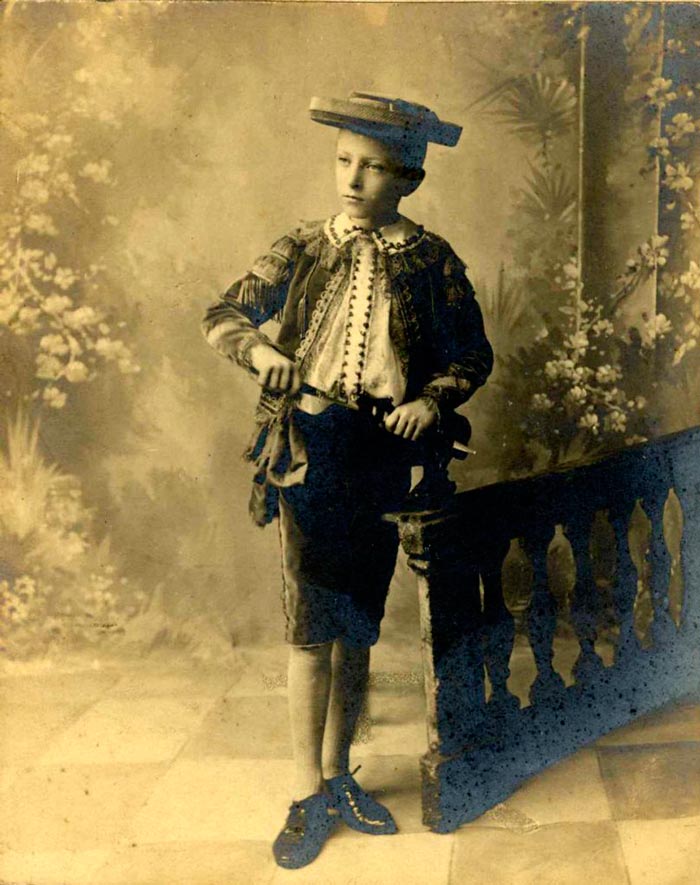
(557, 854)
(8, 775)
(570, 791)
(382, 860)
(679, 722)
(397, 721)
(73, 688)
(219, 800)
(122, 730)
(397, 656)
(662, 852)
(36, 706)
(190, 863)
(656, 781)
(73, 807)
(244, 728)
(60, 867)
(188, 684)
(27, 731)
(263, 671)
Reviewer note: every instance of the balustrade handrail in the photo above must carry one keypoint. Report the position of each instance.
(643, 470)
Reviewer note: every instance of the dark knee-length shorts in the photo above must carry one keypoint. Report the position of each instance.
(338, 554)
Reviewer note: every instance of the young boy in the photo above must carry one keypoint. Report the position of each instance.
(380, 333)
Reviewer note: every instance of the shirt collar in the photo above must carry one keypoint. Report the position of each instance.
(403, 233)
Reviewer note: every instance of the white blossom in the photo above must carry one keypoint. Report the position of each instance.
(56, 304)
(98, 172)
(48, 366)
(54, 397)
(691, 278)
(678, 177)
(607, 374)
(578, 341)
(41, 223)
(54, 344)
(64, 278)
(34, 191)
(576, 394)
(75, 372)
(680, 125)
(589, 421)
(616, 421)
(82, 316)
(658, 326)
(541, 402)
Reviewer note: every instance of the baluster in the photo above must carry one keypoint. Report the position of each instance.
(673, 532)
(663, 630)
(499, 629)
(585, 605)
(625, 587)
(542, 617)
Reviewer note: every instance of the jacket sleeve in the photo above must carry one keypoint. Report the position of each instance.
(464, 357)
(231, 324)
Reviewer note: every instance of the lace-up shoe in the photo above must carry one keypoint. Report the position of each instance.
(309, 823)
(357, 808)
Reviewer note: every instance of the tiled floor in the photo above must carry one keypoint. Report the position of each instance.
(166, 773)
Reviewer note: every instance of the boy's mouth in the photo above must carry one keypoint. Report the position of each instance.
(353, 198)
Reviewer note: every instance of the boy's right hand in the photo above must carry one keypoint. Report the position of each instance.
(273, 370)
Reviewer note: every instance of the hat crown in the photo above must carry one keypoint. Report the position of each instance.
(381, 116)
(410, 108)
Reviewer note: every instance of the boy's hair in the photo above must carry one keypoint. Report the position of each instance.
(411, 173)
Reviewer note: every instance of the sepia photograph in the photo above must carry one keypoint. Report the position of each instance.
(349, 442)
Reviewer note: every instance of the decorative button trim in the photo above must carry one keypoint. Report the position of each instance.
(357, 326)
(339, 240)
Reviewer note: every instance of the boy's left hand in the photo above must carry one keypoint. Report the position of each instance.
(410, 420)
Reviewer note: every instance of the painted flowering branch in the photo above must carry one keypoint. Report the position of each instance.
(41, 298)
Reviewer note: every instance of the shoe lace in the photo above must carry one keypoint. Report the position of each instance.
(295, 821)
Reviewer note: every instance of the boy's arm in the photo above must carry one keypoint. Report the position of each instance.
(466, 356)
(231, 324)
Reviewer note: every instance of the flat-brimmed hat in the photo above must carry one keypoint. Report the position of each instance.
(403, 123)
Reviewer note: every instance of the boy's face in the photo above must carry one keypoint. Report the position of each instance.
(367, 179)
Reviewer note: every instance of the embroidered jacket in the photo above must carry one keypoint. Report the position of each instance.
(435, 325)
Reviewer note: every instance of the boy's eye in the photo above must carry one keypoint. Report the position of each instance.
(343, 161)
(376, 167)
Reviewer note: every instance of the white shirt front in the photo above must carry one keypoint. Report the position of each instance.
(353, 352)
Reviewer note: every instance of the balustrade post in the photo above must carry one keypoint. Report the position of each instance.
(451, 645)
(451, 631)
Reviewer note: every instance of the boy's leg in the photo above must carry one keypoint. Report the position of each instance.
(349, 687)
(348, 692)
(308, 684)
(311, 817)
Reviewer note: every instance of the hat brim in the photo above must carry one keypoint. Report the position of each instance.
(386, 124)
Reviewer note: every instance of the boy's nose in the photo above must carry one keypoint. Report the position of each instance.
(356, 178)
